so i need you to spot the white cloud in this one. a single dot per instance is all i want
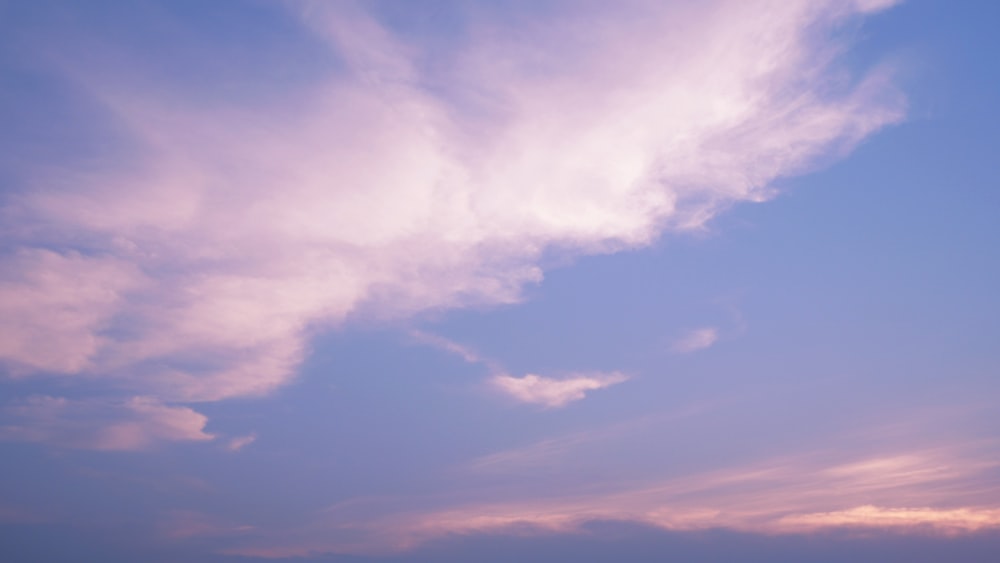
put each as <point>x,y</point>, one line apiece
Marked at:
<point>697,339</point>
<point>228,236</point>
<point>133,424</point>
<point>551,392</point>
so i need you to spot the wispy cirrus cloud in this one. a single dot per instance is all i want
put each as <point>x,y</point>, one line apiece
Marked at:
<point>942,490</point>
<point>553,454</point>
<point>457,349</point>
<point>895,475</point>
<point>554,392</point>
<point>206,254</point>
<point>925,488</point>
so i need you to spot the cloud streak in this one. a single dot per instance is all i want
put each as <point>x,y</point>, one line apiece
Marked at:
<point>454,348</point>
<point>868,516</point>
<point>943,491</point>
<point>529,388</point>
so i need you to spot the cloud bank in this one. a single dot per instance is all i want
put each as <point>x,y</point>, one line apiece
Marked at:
<point>943,491</point>
<point>195,265</point>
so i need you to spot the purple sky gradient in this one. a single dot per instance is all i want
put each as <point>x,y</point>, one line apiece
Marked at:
<point>446,281</point>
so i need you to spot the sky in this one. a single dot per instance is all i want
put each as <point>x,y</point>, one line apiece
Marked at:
<point>413,281</point>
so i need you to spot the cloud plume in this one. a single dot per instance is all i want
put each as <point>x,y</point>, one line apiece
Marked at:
<point>195,265</point>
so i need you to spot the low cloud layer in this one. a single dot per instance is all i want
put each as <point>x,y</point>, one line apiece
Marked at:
<point>194,265</point>
<point>238,443</point>
<point>938,491</point>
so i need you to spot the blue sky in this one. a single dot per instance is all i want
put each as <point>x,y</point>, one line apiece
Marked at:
<point>453,281</point>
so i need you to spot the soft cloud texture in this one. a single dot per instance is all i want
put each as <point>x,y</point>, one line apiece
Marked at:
<point>133,424</point>
<point>55,307</point>
<point>943,490</point>
<point>947,520</point>
<point>456,349</point>
<point>195,266</point>
<point>238,443</point>
<point>697,339</point>
<point>551,392</point>
<point>529,388</point>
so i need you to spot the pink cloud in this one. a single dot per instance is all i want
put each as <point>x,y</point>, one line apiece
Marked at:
<point>946,520</point>
<point>876,478</point>
<point>238,233</point>
<point>186,524</point>
<point>55,307</point>
<point>134,424</point>
<point>698,339</point>
<point>452,347</point>
<point>238,443</point>
<point>936,489</point>
<point>551,392</point>
<point>931,491</point>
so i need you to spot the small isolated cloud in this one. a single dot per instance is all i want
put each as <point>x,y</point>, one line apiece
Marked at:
<point>552,392</point>
<point>240,442</point>
<point>695,340</point>
<point>530,388</point>
<point>133,424</point>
